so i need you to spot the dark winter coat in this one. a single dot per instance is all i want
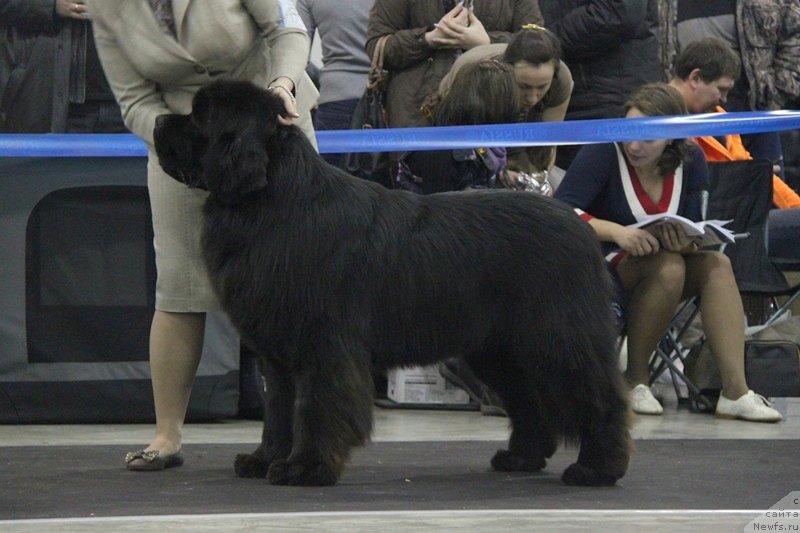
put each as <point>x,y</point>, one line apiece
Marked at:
<point>37,51</point>
<point>610,47</point>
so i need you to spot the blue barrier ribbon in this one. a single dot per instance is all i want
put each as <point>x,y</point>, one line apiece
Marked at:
<point>439,138</point>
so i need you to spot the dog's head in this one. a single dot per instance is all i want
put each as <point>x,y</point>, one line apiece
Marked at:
<point>221,146</point>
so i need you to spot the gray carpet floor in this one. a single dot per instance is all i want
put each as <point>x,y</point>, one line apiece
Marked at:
<point>63,481</point>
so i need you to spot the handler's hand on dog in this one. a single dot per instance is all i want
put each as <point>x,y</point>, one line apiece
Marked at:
<point>283,88</point>
<point>637,242</point>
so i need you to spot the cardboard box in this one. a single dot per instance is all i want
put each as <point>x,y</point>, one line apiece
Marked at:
<point>423,385</point>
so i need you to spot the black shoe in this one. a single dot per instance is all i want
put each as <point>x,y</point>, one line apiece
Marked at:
<point>458,373</point>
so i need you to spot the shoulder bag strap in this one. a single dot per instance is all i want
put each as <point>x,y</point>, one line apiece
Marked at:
<point>377,75</point>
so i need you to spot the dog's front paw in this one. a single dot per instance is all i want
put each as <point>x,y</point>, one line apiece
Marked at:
<point>505,461</point>
<point>248,465</point>
<point>313,474</point>
<point>578,474</point>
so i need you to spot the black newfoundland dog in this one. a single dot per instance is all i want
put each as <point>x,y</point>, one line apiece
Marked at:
<point>327,277</point>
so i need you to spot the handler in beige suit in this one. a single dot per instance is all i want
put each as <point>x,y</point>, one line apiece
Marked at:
<point>156,54</point>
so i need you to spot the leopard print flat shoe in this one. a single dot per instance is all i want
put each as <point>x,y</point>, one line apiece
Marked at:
<point>146,461</point>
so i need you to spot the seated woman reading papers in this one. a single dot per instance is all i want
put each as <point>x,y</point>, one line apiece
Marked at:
<point>613,186</point>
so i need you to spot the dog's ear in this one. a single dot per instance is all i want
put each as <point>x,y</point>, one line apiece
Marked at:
<point>179,146</point>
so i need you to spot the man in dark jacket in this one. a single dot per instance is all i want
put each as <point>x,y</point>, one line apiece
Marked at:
<point>50,77</point>
<point>611,48</point>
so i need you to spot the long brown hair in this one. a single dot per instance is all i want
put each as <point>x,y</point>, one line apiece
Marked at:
<point>482,93</point>
<point>657,100</point>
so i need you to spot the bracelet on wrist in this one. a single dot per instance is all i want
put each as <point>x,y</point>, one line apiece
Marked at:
<point>272,88</point>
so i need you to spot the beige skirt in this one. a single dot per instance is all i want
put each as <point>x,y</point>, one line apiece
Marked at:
<point>182,285</point>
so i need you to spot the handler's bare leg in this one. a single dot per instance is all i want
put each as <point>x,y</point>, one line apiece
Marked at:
<point>176,343</point>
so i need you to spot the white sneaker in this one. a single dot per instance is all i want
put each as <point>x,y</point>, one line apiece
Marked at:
<point>643,401</point>
<point>751,406</point>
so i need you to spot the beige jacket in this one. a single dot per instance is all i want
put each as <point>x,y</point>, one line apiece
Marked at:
<point>152,73</point>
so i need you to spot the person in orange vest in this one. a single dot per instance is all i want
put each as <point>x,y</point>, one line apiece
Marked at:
<point>705,71</point>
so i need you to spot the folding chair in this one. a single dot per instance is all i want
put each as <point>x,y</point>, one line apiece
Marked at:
<point>785,257</point>
<point>742,191</point>
<point>670,356</point>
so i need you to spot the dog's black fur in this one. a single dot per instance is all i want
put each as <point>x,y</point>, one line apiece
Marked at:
<point>327,276</point>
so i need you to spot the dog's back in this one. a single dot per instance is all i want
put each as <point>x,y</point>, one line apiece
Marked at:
<point>398,264</point>
<point>483,262</point>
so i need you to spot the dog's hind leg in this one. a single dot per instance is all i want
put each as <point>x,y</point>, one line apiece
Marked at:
<point>601,410</point>
<point>332,414</point>
<point>605,445</point>
<point>276,436</point>
<point>532,440</point>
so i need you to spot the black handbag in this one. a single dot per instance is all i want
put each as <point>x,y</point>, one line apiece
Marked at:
<point>772,368</point>
<point>370,113</point>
